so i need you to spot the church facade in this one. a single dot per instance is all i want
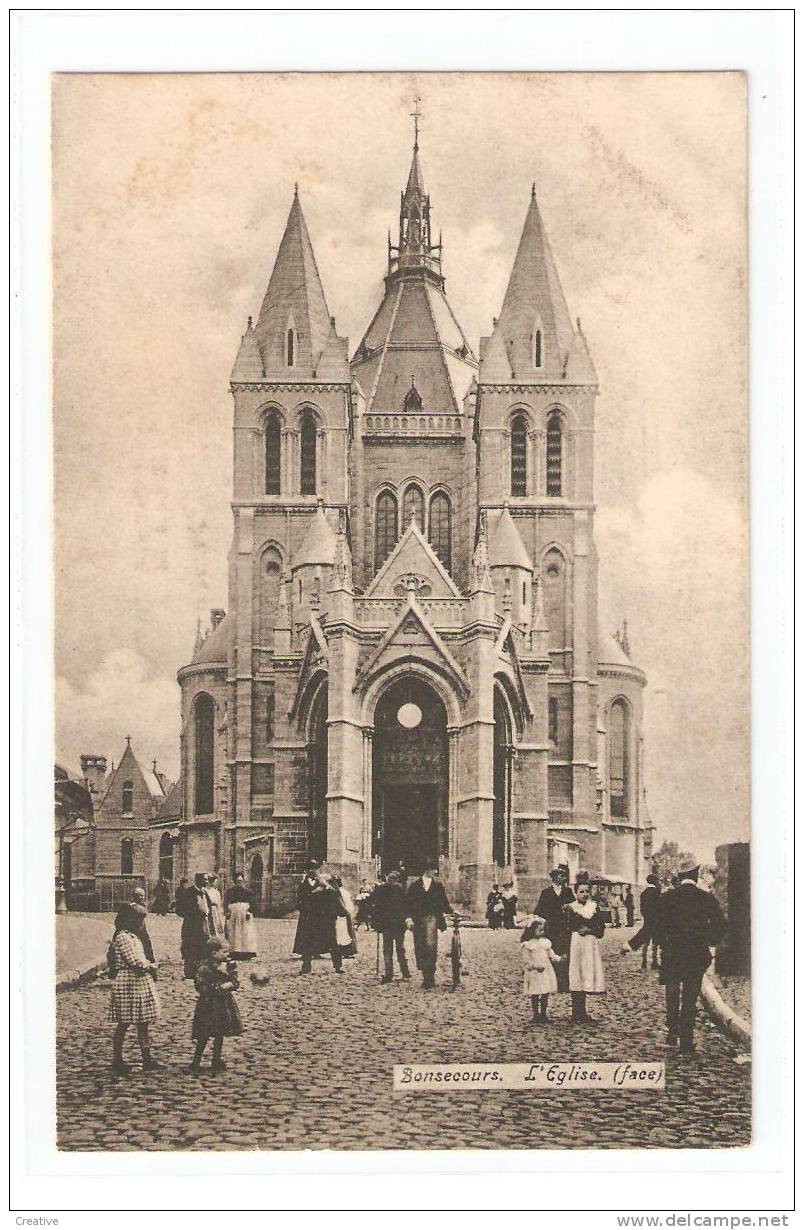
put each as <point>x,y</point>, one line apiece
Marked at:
<point>410,668</point>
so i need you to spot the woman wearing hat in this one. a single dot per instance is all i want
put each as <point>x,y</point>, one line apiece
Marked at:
<point>134,999</point>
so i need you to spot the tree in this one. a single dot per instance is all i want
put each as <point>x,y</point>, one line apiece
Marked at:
<point>668,860</point>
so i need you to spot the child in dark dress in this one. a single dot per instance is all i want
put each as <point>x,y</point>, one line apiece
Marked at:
<point>216,1013</point>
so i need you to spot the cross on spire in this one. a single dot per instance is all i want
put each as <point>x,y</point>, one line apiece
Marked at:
<point>416,115</point>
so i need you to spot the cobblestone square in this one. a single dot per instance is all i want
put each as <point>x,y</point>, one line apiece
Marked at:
<point>314,1067</point>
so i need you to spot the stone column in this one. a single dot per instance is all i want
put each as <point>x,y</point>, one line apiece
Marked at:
<point>368,752</point>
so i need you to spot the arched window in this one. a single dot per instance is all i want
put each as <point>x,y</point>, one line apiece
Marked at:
<point>385,529</point>
<point>128,798</point>
<point>618,759</point>
<point>413,506</point>
<point>441,528</point>
<point>554,454</point>
<point>554,583</point>
<point>166,857</point>
<point>501,814</point>
<point>308,437</point>
<point>519,455</point>
<point>290,347</point>
<point>552,720</point>
<point>273,446</point>
<point>537,348</point>
<point>127,856</point>
<point>413,398</point>
<point>204,747</point>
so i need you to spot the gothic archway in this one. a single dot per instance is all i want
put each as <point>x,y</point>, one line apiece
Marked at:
<point>410,776</point>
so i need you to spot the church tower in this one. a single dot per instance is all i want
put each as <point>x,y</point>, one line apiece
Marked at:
<point>534,428</point>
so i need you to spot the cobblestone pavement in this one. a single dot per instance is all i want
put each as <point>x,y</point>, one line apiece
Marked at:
<point>313,1069</point>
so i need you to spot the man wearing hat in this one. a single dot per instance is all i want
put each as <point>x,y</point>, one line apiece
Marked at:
<point>388,915</point>
<point>426,906</point>
<point>650,904</point>
<point>551,907</point>
<point>690,924</point>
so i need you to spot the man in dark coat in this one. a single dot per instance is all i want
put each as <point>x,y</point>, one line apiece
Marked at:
<point>650,905</point>
<point>690,923</point>
<point>194,908</point>
<point>628,902</point>
<point>389,917</point>
<point>551,906</point>
<point>427,905</point>
<point>319,906</point>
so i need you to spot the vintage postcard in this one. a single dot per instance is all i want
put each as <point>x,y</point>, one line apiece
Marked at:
<point>402,767</point>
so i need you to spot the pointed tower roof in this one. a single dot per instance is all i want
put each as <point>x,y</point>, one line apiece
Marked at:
<point>414,338</point>
<point>506,548</point>
<point>533,336</point>
<point>319,543</point>
<point>248,364</point>
<point>294,300</point>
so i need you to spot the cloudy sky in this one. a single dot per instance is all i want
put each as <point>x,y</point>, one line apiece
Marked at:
<point>171,194</point>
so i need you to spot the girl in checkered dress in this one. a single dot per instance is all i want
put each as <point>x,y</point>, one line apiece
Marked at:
<point>134,999</point>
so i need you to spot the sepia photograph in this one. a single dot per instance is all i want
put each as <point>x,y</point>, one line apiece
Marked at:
<point>402,764</point>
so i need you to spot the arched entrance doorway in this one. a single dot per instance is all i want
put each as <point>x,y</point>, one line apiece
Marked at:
<point>410,775</point>
<point>318,775</point>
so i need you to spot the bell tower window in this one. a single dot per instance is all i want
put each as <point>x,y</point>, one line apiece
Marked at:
<point>519,455</point>
<point>290,347</point>
<point>554,454</point>
<point>537,348</point>
<point>308,459</point>
<point>413,508</point>
<point>273,444</point>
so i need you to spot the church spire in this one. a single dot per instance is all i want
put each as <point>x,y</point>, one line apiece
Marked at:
<point>415,249</point>
<point>294,325</point>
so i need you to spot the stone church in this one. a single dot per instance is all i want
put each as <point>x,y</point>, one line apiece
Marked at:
<point>410,668</point>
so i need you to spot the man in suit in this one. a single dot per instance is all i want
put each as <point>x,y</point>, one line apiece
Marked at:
<point>690,923</point>
<point>427,905</point>
<point>650,904</point>
<point>389,916</point>
<point>551,906</point>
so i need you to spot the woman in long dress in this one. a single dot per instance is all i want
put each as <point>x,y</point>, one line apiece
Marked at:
<point>241,934</point>
<point>585,962</point>
<point>134,999</point>
<point>345,933</point>
<point>216,920</point>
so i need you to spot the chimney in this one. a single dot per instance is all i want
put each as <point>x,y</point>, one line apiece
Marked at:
<point>215,617</point>
<point>94,770</point>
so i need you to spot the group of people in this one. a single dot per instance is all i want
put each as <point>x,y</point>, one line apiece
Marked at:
<point>501,907</point>
<point>561,947</point>
<point>215,934</point>
<point>328,919</point>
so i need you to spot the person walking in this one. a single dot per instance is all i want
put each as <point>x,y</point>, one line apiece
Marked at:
<point>216,1015</point>
<point>585,962</point>
<point>510,901</point>
<point>427,904</point>
<point>690,923</point>
<point>389,915</point>
<point>494,908</point>
<point>194,909</point>
<point>650,905</point>
<point>551,907</point>
<point>319,907</point>
<point>134,998</point>
<point>241,934</point>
